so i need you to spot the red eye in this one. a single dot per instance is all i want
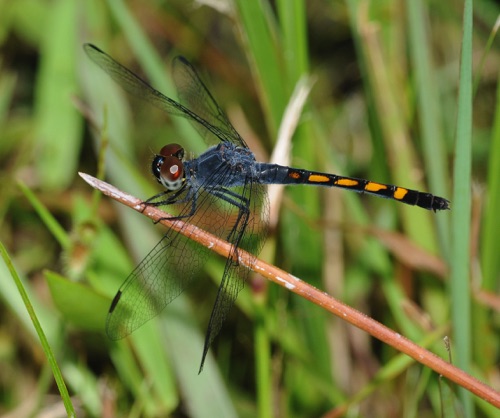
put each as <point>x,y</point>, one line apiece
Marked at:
<point>172,150</point>
<point>171,173</point>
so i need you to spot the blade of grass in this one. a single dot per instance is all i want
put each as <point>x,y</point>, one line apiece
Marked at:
<point>490,237</point>
<point>293,24</point>
<point>86,384</point>
<point>58,123</point>
<point>263,359</point>
<point>489,44</point>
<point>41,335</point>
<point>48,219</point>
<point>429,110</point>
<point>262,44</point>
<point>461,215</point>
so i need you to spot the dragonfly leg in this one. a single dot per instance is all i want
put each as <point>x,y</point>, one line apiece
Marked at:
<point>243,204</point>
<point>174,198</point>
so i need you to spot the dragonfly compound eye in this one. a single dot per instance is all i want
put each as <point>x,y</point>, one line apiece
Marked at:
<point>171,172</point>
<point>173,150</point>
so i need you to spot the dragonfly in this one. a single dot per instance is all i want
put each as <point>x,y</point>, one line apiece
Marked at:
<point>222,191</point>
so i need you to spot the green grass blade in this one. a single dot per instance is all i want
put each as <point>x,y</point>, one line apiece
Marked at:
<point>491,238</point>
<point>489,44</point>
<point>58,123</point>
<point>429,110</point>
<point>262,43</point>
<point>294,28</point>
<point>41,334</point>
<point>461,214</point>
<point>48,218</point>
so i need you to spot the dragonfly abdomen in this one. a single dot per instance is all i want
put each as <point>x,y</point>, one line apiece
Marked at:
<point>272,173</point>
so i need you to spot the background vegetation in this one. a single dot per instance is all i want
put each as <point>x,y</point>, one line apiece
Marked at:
<point>383,105</point>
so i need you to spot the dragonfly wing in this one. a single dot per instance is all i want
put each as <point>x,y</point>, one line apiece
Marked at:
<point>136,86</point>
<point>194,95</point>
<point>161,276</point>
<point>248,233</point>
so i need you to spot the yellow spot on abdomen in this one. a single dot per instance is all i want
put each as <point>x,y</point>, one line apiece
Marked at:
<point>375,187</point>
<point>400,193</point>
<point>347,182</point>
<point>318,178</point>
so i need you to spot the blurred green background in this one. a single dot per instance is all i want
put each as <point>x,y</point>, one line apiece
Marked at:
<point>383,105</point>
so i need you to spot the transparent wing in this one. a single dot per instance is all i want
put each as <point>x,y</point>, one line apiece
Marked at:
<point>136,86</point>
<point>155,282</point>
<point>194,95</point>
<point>159,278</point>
<point>248,233</point>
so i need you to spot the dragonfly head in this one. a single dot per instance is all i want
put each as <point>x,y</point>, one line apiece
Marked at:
<point>168,168</point>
